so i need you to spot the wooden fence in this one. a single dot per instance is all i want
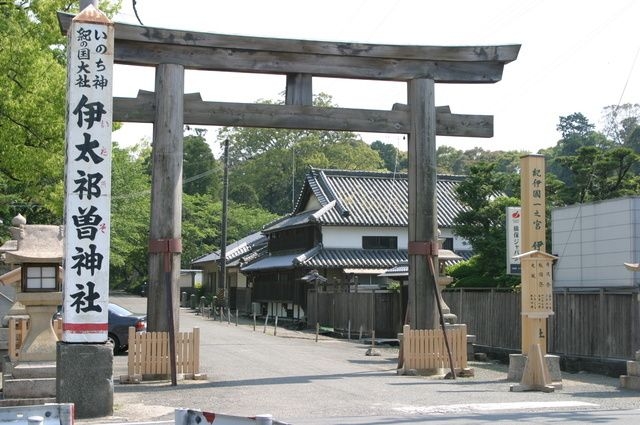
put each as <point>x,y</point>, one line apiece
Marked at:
<point>149,355</point>
<point>425,349</point>
<point>600,324</point>
<point>18,329</point>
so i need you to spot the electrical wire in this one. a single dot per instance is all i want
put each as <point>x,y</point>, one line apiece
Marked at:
<point>135,11</point>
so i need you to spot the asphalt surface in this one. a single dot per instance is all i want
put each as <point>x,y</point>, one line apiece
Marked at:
<point>300,381</point>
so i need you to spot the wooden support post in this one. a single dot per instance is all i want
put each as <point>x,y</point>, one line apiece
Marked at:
<point>299,90</point>
<point>422,200</point>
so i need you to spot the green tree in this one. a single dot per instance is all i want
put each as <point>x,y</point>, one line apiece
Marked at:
<point>394,159</point>
<point>483,225</point>
<point>575,124</point>
<point>130,216</point>
<point>201,172</point>
<point>32,103</point>
<point>273,162</point>
<point>599,174</point>
<point>201,225</point>
<point>577,133</point>
<point>621,123</point>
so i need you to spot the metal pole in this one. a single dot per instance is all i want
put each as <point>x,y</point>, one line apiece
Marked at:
<point>317,318</point>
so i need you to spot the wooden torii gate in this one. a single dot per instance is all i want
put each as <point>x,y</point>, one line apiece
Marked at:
<point>173,51</point>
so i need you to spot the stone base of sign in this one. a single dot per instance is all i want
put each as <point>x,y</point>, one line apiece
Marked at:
<point>85,378</point>
<point>631,381</point>
<point>517,363</point>
<point>26,383</point>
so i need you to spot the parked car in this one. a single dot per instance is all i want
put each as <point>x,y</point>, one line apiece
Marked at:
<point>120,319</point>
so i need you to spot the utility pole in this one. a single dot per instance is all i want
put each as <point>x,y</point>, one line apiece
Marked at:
<point>223,225</point>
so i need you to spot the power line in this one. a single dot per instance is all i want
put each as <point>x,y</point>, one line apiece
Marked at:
<point>633,64</point>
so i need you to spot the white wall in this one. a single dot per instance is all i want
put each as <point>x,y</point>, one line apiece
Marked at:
<point>351,237</point>
<point>592,241</point>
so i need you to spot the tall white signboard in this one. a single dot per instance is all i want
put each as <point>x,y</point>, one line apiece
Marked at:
<point>88,178</point>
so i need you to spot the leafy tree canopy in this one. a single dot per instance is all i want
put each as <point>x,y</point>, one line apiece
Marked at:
<point>202,174</point>
<point>32,105</point>
<point>483,222</point>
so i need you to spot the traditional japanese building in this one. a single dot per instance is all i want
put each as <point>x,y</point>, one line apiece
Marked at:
<point>349,226</point>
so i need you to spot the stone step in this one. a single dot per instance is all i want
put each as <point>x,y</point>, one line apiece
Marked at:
<point>29,388</point>
<point>26,401</point>
<point>630,382</point>
<point>33,370</point>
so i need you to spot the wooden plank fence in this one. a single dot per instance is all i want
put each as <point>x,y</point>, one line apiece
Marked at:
<point>601,324</point>
<point>18,329</point>
<point>425,349</point>
<point>591,324</point>
<point>149,356</point>
<point>380,311</point>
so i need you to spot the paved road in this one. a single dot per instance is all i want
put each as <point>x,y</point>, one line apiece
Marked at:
<point>331,381</point>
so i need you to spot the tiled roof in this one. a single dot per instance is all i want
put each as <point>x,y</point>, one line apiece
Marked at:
<point>356,258</point>
<point>373,199</point>
<point>319,257</point>
<point>337,258</point>
<point>237,249</point>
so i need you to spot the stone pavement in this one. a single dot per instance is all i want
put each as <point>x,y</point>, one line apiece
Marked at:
<point>301,381</point>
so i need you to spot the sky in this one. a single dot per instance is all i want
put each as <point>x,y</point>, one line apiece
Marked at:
<point>576,56</point>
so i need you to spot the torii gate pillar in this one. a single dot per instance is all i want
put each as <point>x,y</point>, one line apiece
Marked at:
<point>422,203</point>
<point>166,199</point>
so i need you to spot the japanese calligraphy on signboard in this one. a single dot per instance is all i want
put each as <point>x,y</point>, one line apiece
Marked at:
<point>513,239</point>
<point>537,284</point>
<point>88,177</point>
<point>533,203</point>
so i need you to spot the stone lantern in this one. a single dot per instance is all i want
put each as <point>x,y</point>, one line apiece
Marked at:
<point>35,253</point>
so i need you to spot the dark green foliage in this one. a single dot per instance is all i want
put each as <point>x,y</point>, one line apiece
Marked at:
<point>201,173</point>
<point>470,274</point>
<point>394,159</point>
<point>483,222</point>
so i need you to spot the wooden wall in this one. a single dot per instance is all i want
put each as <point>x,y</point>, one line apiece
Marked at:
<point>336,309</point>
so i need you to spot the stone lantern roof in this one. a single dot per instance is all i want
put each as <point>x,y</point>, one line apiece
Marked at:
<point>33,243</point>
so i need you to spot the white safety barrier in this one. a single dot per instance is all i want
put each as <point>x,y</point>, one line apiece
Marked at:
<point>198,417</point>
<point>42,414</point>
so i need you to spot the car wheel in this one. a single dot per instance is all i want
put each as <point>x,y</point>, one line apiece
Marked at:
<point>114,341</point>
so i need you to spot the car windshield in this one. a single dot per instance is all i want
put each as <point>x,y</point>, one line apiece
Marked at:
<point>120,311</point>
